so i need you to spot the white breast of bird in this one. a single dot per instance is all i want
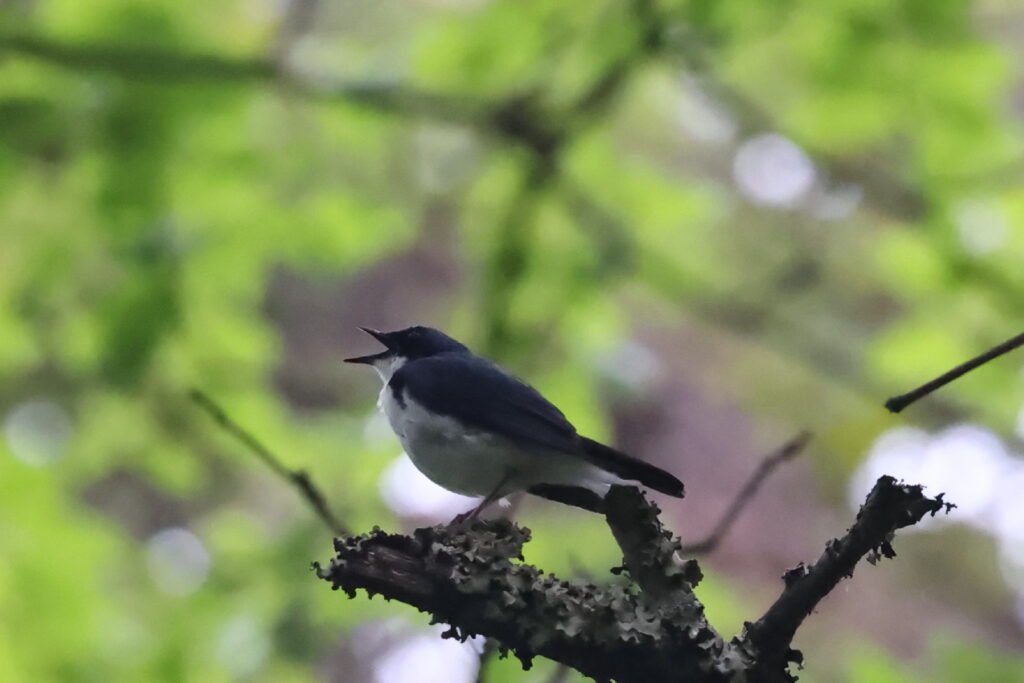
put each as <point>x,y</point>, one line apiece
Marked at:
<point>471,461</point>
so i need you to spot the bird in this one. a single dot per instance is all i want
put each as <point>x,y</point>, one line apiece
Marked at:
<point>474,428</point>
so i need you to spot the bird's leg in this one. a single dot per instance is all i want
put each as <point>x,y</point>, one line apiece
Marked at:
<point>494,495</point>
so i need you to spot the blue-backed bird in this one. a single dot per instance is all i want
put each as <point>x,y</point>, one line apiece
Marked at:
<point>473,428</point>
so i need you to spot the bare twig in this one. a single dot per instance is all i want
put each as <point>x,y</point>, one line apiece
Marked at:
<point>787,451</point>
<point>298,478</point>
<point>898,403</point>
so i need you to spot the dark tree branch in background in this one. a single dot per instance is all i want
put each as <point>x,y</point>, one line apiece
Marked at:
<point>517,119</point>
<point>170,66</point>
<point>475,581</point>
<point>146,63</point>
<point>509,260</point>
<point>898,403</point>
<point>787,451</point>
<point>298,478</point>
<point>545,134</point>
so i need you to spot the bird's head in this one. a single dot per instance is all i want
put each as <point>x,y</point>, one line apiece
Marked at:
<point>405,345</point>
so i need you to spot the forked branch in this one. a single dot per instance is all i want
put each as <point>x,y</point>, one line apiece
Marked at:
<point>474,580</point>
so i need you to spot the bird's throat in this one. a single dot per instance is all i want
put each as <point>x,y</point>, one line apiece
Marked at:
<point>387,367</point>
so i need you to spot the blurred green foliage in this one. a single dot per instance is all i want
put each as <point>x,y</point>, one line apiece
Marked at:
<point>161,161</point>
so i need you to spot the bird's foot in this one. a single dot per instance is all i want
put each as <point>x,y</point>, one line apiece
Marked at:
<point>463,520</point>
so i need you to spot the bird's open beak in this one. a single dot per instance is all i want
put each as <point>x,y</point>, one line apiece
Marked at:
<point>373,358</point>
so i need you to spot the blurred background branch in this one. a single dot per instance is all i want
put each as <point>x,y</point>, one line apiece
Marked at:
<point>898,403</point>
<point>300,479</point>
<point>164,65</point>
<point>787,451</point>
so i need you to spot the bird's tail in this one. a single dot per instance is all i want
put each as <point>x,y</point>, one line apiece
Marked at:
<point>628,467</point>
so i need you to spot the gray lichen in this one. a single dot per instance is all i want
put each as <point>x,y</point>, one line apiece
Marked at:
<point>474,579</point>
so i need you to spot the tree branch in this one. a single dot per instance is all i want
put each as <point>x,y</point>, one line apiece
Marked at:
<point>889,506</point>
<point>651,554</point>
<point>300,479</point>
<point>158,64</point>
<point>787,451</point>
<point>898,403</point>
<point>474,580</point>
<point>516,118</point>
<point>140,61</point>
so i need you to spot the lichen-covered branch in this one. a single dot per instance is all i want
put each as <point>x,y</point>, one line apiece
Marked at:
<point>474,580</point>
<point>891,505</point>
<point>651,553</point>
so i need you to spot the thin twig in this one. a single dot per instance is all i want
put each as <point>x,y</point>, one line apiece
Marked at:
<point>898,403</point>
<point>787,451</point>
<point>298,478</point>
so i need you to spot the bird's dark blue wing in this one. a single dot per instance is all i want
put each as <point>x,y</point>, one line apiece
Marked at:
<point>478,393</point>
